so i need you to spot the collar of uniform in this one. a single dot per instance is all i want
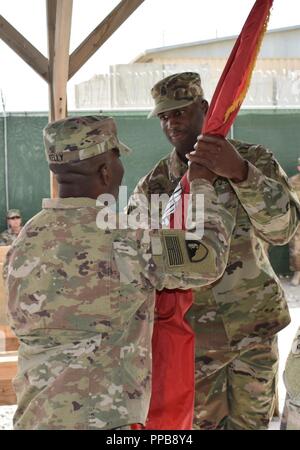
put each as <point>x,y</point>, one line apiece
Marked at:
<point>177,167</point>
<point>68,203</point>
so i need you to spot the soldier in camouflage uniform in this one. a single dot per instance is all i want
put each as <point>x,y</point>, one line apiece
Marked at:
<point>291,413</point>
<point>294,245</point>
<point>81,298</point>
<point>14,226</point>
<point>236,319</point>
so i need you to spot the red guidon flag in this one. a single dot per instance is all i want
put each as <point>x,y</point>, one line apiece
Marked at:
<point>172,400</point>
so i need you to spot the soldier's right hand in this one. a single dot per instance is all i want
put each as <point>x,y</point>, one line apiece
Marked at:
<point>197,171</point>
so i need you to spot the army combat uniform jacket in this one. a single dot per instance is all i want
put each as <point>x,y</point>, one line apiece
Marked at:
<point>247,304</point>
<point>294,245</point>
<point>7,237</point>
<point>81,301</point>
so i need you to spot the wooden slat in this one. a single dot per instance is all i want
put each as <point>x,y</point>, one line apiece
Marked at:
<point>8,370</point>
<point>31,55</point>
<point>8,340</point>
<point>101,33</point>
<point>3,301</point>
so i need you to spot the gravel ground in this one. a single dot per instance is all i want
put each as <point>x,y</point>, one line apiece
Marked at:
<point>285,341</point>
<point>6,415</point>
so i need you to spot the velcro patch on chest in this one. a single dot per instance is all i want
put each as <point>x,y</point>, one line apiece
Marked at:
<point>174,252</point>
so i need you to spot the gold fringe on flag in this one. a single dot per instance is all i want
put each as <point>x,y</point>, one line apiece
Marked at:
<point>236,104</point>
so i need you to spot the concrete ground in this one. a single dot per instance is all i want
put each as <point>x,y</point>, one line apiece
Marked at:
<point>285,338</point>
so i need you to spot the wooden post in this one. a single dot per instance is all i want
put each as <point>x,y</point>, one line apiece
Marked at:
<point>59,18</point>
<point>51,18</point>
<point>61,56</point>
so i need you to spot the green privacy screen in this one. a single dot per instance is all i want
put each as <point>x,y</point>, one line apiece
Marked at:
<point>28,176</point>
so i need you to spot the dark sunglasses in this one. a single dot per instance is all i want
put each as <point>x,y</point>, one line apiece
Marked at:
<point>14,217</point>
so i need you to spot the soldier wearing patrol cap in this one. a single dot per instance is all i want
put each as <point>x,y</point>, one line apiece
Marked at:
<point>236,319</point>
<point>291,413</point>
<point>14,226</point>
<point>81,297</point>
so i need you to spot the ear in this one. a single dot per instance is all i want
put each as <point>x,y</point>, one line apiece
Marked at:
<point>204,106</point>
<point>105,173</point>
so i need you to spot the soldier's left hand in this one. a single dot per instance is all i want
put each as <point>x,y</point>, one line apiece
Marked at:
<point>218,155</point>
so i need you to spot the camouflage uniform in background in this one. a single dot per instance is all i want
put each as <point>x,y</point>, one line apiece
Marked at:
<point>294,244</point>
<point>291,412</point>
<point>236,319</point>
<point>7,237</point>
<point>81,299</point>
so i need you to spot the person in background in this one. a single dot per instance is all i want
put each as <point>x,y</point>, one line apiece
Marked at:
<point>294,244</point>
<point>291,413</point>
<point>14,226</point>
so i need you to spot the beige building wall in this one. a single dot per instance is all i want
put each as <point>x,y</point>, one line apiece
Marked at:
<point>275,80</point>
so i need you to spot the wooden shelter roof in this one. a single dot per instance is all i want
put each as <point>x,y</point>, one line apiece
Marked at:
<point>60,65</point>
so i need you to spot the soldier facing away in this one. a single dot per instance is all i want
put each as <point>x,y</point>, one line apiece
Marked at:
<point>14,226</point>
<point>81,298</point>
<point>236,319</point>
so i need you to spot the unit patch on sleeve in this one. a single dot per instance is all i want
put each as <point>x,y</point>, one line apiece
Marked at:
<point>196,250</point>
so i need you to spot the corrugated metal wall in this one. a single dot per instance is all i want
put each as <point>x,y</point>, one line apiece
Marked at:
<point>28,176</point>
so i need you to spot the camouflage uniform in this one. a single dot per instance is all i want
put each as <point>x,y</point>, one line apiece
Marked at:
<point>236,319</point>
<point>294,245</point>
<point>291,413</point>
<point>7,237</point>
<point>81,299</point>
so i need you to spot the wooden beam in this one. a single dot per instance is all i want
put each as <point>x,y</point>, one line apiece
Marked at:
<point>51,6</point>
<point>8,340</point>
<point>3,299</point>
<point>51,19</point>
<point>31,55</point>
<point>59,19</point>
<point>61,56</point>
<point>101,33</point>
<point>8,371</point>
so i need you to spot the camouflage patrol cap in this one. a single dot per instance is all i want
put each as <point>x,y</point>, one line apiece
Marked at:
<point>13,213</point>
<point>175,91</point>
<point>78,138</point>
